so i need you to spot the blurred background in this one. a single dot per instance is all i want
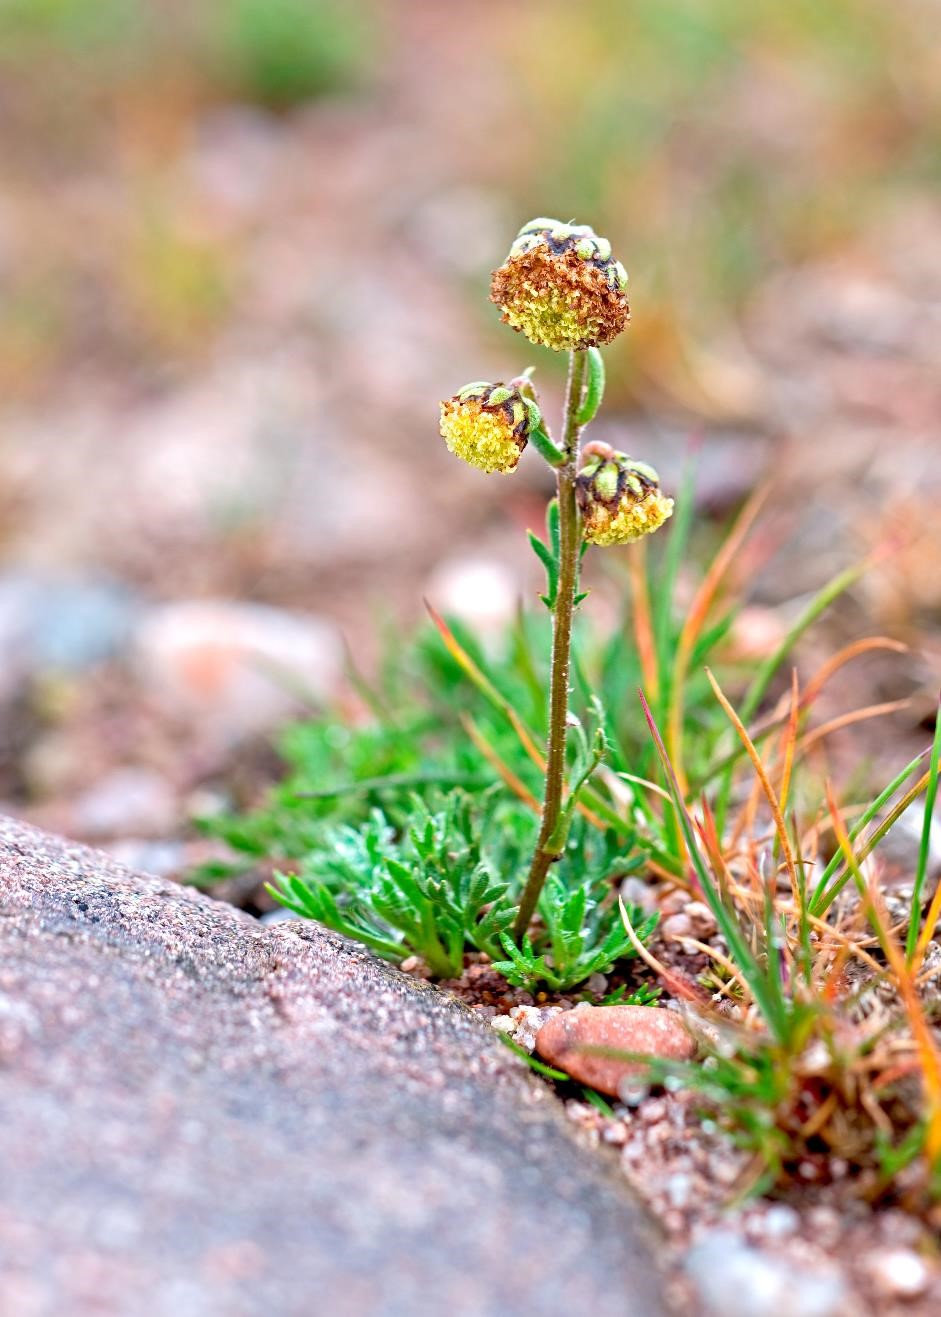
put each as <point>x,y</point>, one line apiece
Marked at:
<point>245,248</point>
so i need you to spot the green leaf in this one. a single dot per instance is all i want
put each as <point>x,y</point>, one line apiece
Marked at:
<point>594,388</point>
<point>546,448</point>
<point>924,850</point>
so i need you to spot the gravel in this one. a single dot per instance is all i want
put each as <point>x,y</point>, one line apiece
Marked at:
<point>736,1280</point>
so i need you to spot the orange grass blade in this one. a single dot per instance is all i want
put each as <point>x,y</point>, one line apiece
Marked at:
<point>790,742</point>
<point>837,882</point>
<point>745,823</point>
<point>929,1055</point>
<point>493,696</point>
<point>844,656</point>
<point>486,687</point>
<point>695,620</point>
<point>678,984</point>
<point>518,787</point>
<point>755,757</point>
<point>848,719</point>
<point>927,932</point>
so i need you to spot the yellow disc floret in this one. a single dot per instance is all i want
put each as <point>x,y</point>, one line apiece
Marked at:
<point>561,287</point>
<point>620,500</point>
<point>488,425</point>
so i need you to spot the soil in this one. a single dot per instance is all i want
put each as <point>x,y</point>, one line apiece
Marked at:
<point>879,1260</point>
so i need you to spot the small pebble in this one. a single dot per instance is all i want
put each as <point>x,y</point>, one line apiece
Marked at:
<point>634,891</point>
<point>674,901</point>
<point>899,1273</point>
<point>240,668</point>
<point>653,1112</point>
<point>732,1277</point>
<point>528,1020</point>
<point>701,918</point>
<point>779,1221</point>
<point>648,1030</point>
<point>481,592</point>
<point>679,1190</point>
<point>679,925</point>
<point>127,801</point>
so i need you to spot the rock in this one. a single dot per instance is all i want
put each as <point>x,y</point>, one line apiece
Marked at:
<point>80,623</point>
<point>165,859</point>
<point>481,592</point>
<point>634,891</point>
<point>899,1273</point>
<point>59,625</point>
<point>527,1021</point>
<point>701,918</point>
<point>779,1221</point>
<point>649,1030</point>
<point>14,636</point>
<point>679,925</point>
<point>204,1115</point>
<point>129,801</point>
<point>242,668</point>
<point>736,1280</point>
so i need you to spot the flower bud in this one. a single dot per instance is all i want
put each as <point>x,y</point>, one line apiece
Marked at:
<point>561,287</point>
<point>489,425</point>
<point>620,500</point>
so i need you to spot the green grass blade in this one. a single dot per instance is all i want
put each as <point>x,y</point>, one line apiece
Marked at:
<point>763,678</point>
<point>817,606</point>
<point>817,904</point>
<point>931,796</point>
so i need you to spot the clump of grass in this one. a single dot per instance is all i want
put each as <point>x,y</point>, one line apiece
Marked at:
<point>443,716</point>
<point>818,1047</point>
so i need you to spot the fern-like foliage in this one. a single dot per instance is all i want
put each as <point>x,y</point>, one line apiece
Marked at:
<point>583,936</point>
<point>425,890</point>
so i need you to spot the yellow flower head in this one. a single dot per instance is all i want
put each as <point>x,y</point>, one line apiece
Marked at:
<point>488,425</point>
<point>620,500</point>
<point>561,287</point>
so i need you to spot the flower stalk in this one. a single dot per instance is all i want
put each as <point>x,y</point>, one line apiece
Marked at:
<point>549,846</point>
<point>561,287</point>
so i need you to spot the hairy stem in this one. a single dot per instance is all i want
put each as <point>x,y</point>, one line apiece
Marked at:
<point>545,854</point>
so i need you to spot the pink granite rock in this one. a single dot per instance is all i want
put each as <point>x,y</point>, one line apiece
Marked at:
<point>563,1041</point>
<point>201,1114</point>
